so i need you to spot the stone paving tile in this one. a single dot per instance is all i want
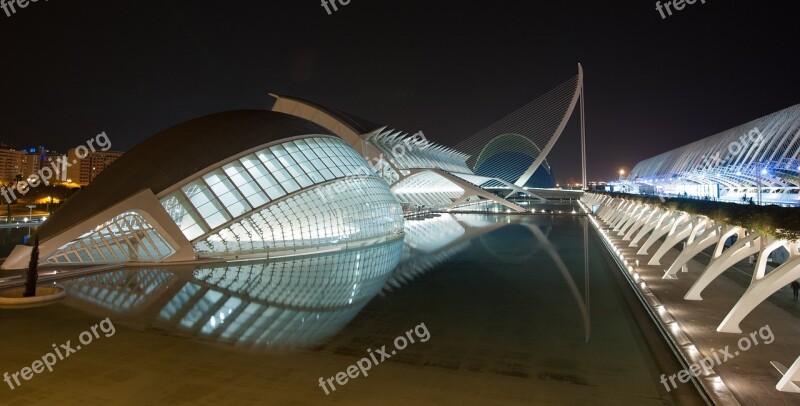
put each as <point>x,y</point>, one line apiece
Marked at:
<point>749,376</point>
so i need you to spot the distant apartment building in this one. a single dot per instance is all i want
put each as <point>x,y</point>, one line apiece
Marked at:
<point>84,170</point>
<point>22,163</point>
<point>42,158</point>
<point>10,163</point>
<point>30,164</point>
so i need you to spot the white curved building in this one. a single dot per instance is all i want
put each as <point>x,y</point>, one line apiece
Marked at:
<point>420,172</point>
<point>231,185</point>
<point>757,160</point>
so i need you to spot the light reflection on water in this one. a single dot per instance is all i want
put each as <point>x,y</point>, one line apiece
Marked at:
<point>300,302</point>
<point>506,299</point>
<point>258,305</point>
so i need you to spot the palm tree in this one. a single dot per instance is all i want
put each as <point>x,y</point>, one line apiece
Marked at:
<point>32,275</point>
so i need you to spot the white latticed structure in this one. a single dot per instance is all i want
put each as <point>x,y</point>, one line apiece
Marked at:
<point>755,161</point>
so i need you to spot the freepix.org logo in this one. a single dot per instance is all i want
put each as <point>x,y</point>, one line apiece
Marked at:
<point>10,7</point>
<point>718,357</point>
<point>746,142</point>
<point>364,364</point>
<point>329,5</point>
<point>666,8</point>
<point>57,169</point>
<point>59,353</point>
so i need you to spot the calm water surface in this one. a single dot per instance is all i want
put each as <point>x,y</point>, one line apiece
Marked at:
<point>513,314</point>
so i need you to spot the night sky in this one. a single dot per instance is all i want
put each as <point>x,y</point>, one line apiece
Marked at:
<point>72,69</point>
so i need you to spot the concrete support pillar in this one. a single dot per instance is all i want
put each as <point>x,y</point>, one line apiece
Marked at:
<point>681,229</point>
<point>619,212</point>
<point>709,237</point>
<point>762,287</point>
<point>743,248</point>
<point>610,209</point>
<point>643,210</point>
<point>727,232</point>
<point>644,219</point>
<point>651,223</point>
<point>791,377</point>
<point>629,211</point>
<point>700,223</point>
<point>664,226</point>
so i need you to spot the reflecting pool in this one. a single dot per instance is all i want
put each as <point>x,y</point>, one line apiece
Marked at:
<point>520,309</point>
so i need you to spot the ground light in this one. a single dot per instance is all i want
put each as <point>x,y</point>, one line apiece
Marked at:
<point>689,351</point>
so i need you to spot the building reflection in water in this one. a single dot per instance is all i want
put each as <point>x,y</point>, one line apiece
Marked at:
<point>259,305</point>
<point>430,242</point>
<point>287,303</point>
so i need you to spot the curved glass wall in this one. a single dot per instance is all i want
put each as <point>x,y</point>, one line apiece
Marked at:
<point>346,210</point>
<point>266,200</point>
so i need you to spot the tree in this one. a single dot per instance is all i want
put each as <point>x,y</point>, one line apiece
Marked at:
<point>32,275</point>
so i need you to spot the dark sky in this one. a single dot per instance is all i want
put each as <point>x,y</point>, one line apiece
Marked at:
<point>449,68</point>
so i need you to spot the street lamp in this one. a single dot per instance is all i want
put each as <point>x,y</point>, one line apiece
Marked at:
<point>30,216</point>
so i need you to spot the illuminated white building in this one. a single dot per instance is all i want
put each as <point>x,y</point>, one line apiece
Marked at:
<point>236,185</point>
<point>757,160</point>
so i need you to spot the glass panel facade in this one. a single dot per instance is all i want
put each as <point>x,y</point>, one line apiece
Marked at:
<point>346,210</point>
<point>206,203</point>
<point>221,199</point>
<point>125,238</point>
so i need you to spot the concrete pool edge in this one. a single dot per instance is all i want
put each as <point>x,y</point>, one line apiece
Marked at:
<point>710,387</point>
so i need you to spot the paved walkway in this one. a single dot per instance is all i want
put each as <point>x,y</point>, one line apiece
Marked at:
<point>742,273</point>
<point>748,375</point>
